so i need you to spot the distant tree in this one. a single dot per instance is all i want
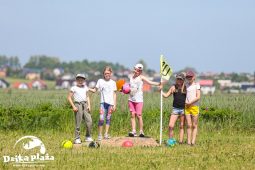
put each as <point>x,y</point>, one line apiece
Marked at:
<point>238,78</point>
<point>42,61</point>
<point>3,60</point>
<point>14,63</point>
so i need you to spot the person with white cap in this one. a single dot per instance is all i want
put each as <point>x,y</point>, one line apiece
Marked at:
<point>80,102</point>
<point>135,101</point>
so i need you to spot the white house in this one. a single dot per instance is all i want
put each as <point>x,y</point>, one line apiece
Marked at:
<point>207,86</point>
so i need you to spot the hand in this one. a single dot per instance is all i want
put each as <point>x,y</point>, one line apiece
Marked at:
<point>113,108</point>
<point>160,87</point>
<point>187,104</point>
<point>75,109</point>
<point>88,108</point>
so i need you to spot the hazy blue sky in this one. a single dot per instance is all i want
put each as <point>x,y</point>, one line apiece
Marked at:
<point>210,35</point>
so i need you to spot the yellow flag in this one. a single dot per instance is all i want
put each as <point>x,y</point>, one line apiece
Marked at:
<point>165,70</point>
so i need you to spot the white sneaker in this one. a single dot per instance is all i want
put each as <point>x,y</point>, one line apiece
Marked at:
<point>99,137</point>
<point>77,141</point>
<point>106,136</point>
<point>88,139</point>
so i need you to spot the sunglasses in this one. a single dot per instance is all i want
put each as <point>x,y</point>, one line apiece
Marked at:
<point>189,77</point>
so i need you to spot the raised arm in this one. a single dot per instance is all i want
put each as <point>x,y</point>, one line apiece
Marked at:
<point>149,81</point>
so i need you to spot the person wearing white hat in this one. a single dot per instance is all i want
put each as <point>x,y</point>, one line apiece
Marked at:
<point>135,101</point>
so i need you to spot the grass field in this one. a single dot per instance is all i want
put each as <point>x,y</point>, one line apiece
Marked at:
<point>226,142</point>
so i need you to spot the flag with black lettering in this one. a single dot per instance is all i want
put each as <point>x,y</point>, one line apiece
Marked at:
<point>165,70</point>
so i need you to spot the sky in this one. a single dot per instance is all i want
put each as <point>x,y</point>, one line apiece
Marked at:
<point>209,35</point>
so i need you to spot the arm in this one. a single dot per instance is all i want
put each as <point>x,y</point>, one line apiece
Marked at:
<point>93,90</point>
<point>88,103</point>
<point>150,82</point>
<point>170,92</point>
<point>114,98</point>
<point>196,99</point>
<point>69,98</point>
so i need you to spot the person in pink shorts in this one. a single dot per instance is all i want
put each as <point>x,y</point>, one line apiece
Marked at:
<point>135,101</point>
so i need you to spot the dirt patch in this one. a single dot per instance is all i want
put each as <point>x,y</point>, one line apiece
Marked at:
<point>118,141</point>
<point>137,141</point>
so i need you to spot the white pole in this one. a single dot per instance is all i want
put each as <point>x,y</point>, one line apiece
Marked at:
<point>161,115</point>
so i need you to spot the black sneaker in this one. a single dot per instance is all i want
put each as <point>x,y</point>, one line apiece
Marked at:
<point>131,134</point>
<point>141,134</point>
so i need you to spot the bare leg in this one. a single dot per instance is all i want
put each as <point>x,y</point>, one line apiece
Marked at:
<point>140,120</point>
<point>182,120</point>
<point>195,124</point>
<point>189,124</point>
<point>172,121</point>
<point>100,129</point>
<point>133,122</point>
<point>107,128</point>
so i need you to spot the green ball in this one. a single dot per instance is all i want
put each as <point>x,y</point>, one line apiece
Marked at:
<point>67,144</point>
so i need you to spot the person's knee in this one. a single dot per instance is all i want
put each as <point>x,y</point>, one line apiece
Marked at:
<point>100,123</point>
<point>108,121</point>
<point>132,115</point>
<point>139,116</point>
<point>181,126</point>
<point>194,126</point>
<point>189,126</point>
<point>171,127</point>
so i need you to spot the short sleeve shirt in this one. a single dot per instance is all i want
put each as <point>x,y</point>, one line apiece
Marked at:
<point>192,92</point>
<point>79,93</point>
<point>107,89</point>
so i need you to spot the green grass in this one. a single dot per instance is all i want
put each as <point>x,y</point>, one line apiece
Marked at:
<point>225,143</point>
<point>213,151</point>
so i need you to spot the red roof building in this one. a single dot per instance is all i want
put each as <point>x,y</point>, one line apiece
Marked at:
<point>206,82</point>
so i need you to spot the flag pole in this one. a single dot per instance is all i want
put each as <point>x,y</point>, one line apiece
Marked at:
<point>161,115</point>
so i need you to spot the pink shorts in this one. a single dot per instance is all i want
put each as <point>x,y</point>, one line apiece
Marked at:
<point>135,108</point>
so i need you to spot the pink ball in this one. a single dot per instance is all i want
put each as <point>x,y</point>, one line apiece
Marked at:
<point>127,144</point>
<point>126,88</point>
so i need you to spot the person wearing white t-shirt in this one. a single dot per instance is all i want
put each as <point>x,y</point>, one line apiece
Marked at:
<point>80,102</point>
<point>135,101</point>
<point>192,107</point>
<point>107,88</point>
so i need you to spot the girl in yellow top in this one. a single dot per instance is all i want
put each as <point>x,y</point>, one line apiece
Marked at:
<point>192,107</point>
